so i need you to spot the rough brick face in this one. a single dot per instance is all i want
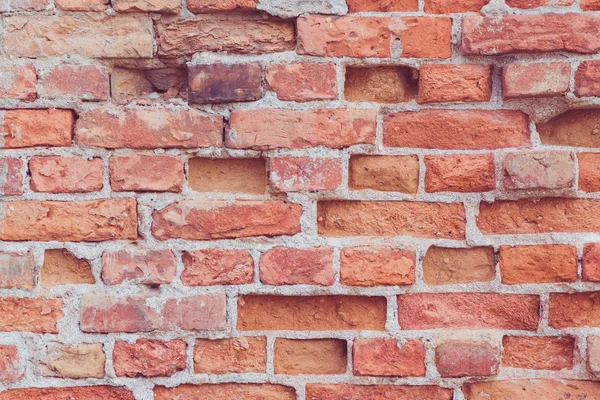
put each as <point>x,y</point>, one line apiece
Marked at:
<point>389,357</point>
<point>235,355</point>
<point>149,358</point>
<point>587,78</point>
<point>310,357</point>
<point>223,83</point>
<point>133,264</point>
<point>30,128</point>
<point>10,364</point>
<point>446,266</point>
<point>467,358</point>
<point>534,389</point>
<point>87,82</point>
<point>538,170</point>
<point>17,270</point>
<point>303,81</point>
<point>286,266</point>
<point>460,173</point>
<point>380,84</point>
<point>225,391</point>
<point>538,264</point>
<point>574,310</point>
<point>141,173</point>
<point>65,174</point>
<point>589,172</point>
<point>425,37</point>
<point>548,353</point>
<point>377,266</point>
<point>296,174</point>
<point>384,173</point>
<point>86,360</point>
<point>217,267</point>
<point>228,175</point>
<point>441,83</point>
<point>535,80</point>
<point>18,82</point>
<point>11,178</point>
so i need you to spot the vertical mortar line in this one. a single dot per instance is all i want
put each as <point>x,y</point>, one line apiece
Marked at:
<point>270,353</point>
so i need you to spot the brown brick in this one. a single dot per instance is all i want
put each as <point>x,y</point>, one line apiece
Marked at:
<point>388,357</point>
<point>310,356</point>
<point>446,266</point>
<point>225,391</point>
<point>589,172</point>
<point>230,175</point>
<point>85,360</point>
<point>538,352</point>
<point>232,355</point>
<point>380,84</point>
<point>384,173</point>
<point>538,264</point>
<point>217,267</point>
<point>224,83</point>
<point>377,266</point>
<point>577,128</point>
<point>62,268</point>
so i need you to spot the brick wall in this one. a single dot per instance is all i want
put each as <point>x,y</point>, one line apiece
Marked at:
<point>299,199</point>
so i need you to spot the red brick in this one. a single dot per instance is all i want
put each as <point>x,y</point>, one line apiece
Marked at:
<point>538,170</point>
<point>534,33</point>
<point>463,129</point>
<point>159,6</point>
<point>576,128</point>
<point>539,216</point>
<point>538,389</point>
<point>355,6</point>
<point>149,358</point>
<point>538,264</point>
<point>310,357</point>
<point>589,172</point>
<point>380,84</point>
<point>535,80</point>
<point>350,36</point>
<point>590,5</point>
<point>56,174</point>
<point>527,4</point>
<point>138,172</point>
<point>208,6</point>
<point>232,355</point>
<point>138,265</point>
<point>69,393</point>
<point>311,313</point>
<point>538,352</point>
<point>388,357</point>
<point>82,5</point>
<point>30,315</point>
<point>226,391</point>
<point>466,358</point>
<point>87,82</point>
<point>102,313</point>
<point>587,78</point>
<point>460,173</point>
<point>593,359</point>
<point>574,310</point>
<point>425,37</point>
<point>377,266</point>
<point>86,221</point>
<point>288,266</point>
<point>224,83</point>
<point>30,128</point>
<point>205,220</point>
<point>303,81</point>
<point>217,267</point>
<point>446,266</point>
<point>296,174</point>
<point>11,178</point>
<point>148,129</point>
<point>11,369</point>
<point>439,83</point>
<point>384,173</point>
<point>454,6</point>
<point>18,82</point>
<point>391,218</point>
<point>591,262</point>
<point>17,270</point>
<point>266,129</point>
<point>218,34</point>
<point>317,391</point>
<point>468,311</point>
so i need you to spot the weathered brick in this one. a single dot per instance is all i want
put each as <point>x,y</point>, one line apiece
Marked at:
<point>589,172</point>
<point>225,391</point>
<point>88,35</point>
<point>535,80</point>
<point>574,310</point>
<point>317,391</point>
<point>527,4</point>
<point>148,129</point>
<point>228,175</point>
<point>217,34</point>
<point>391,218</point>
<point>266,129</point>
<point>87,82</point>
<point>23,5</point>
<point>446,266</point>
<point>587,78</point>
<point>149,358</point>
<point>303,81</point>
<point>289,266</point>
<point>355,6</point>
<point>425,37</point>
<point>30,128</point>
<point>539,389</point>
<point>17,270</point>
<point>56,174</point>
<point>138,265</point>
<point>463,129</point>
<point>466,358</point>
<point>11,367</point>
<point>232,355</point>
<point>593,360</point>
<point>468,311</point>
<point>86,221</point>
<point>159,6</point>
<point>296,174</point>
<point>217,267</point>
<point>379,84</point>
<point>103,313</point>
<point>62,268</point>
<point>592,5</point>
<point>204,220</point>
<point>18,82</point>
<point>454,6</point>
<point>310,356</point>
<point>538,264</point>
<point>313,313</point>
<point>224,83</point>
<point>153,173</point>
<point>82,5</point>
<point>209,6</point>
<point>11,178</point>
<point>570,32</point>
<point>539,216</point>
<point>70,393</point>
<point>538,170</point>
<point>538,352</point>
<point>85,360</point>
<point>384,173</point>
<point>350,36</point>
<point>377,266</point>
<point>388,357</point>
<point>460,173</point>
<point>591,262</point>
<point>578,128</point>
<point>439,83</point>
<point>35,315</point>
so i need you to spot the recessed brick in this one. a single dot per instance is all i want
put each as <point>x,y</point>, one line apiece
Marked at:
<point>384,173</point>
<point>310,356</point>
<point>577,128</point>
<point>380,84</point>
<point>61,267</point>
<point>224,83</point>
<point>231,175</point>
<point>589,172</point>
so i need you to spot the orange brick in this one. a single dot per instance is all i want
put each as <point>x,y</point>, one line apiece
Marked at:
<point>538,352</point>
<point>30,315</point>
<point>377,266</point>
<point>303,81</point>
<point>376,392</point>
<point>310,356</point>
<point>225,391</point>
<point>154,173</point>
<point>31,128</point>
<point>589,172</point>
<point>425,37</point>
<point>538,264</point>
<point>149,358</point>
<point>388,357</point>
<point>75,393</point>
<point>534,389</point>
<point>591,262</point>
<point>55,174</point>
<point>232,355</point>
<point>439,83</point>
<point>355,6</point>
<point>460,173</point>
<point>574,310</point>
<point>384,173</point>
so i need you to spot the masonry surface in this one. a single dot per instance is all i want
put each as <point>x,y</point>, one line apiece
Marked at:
<point>299,199</point>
